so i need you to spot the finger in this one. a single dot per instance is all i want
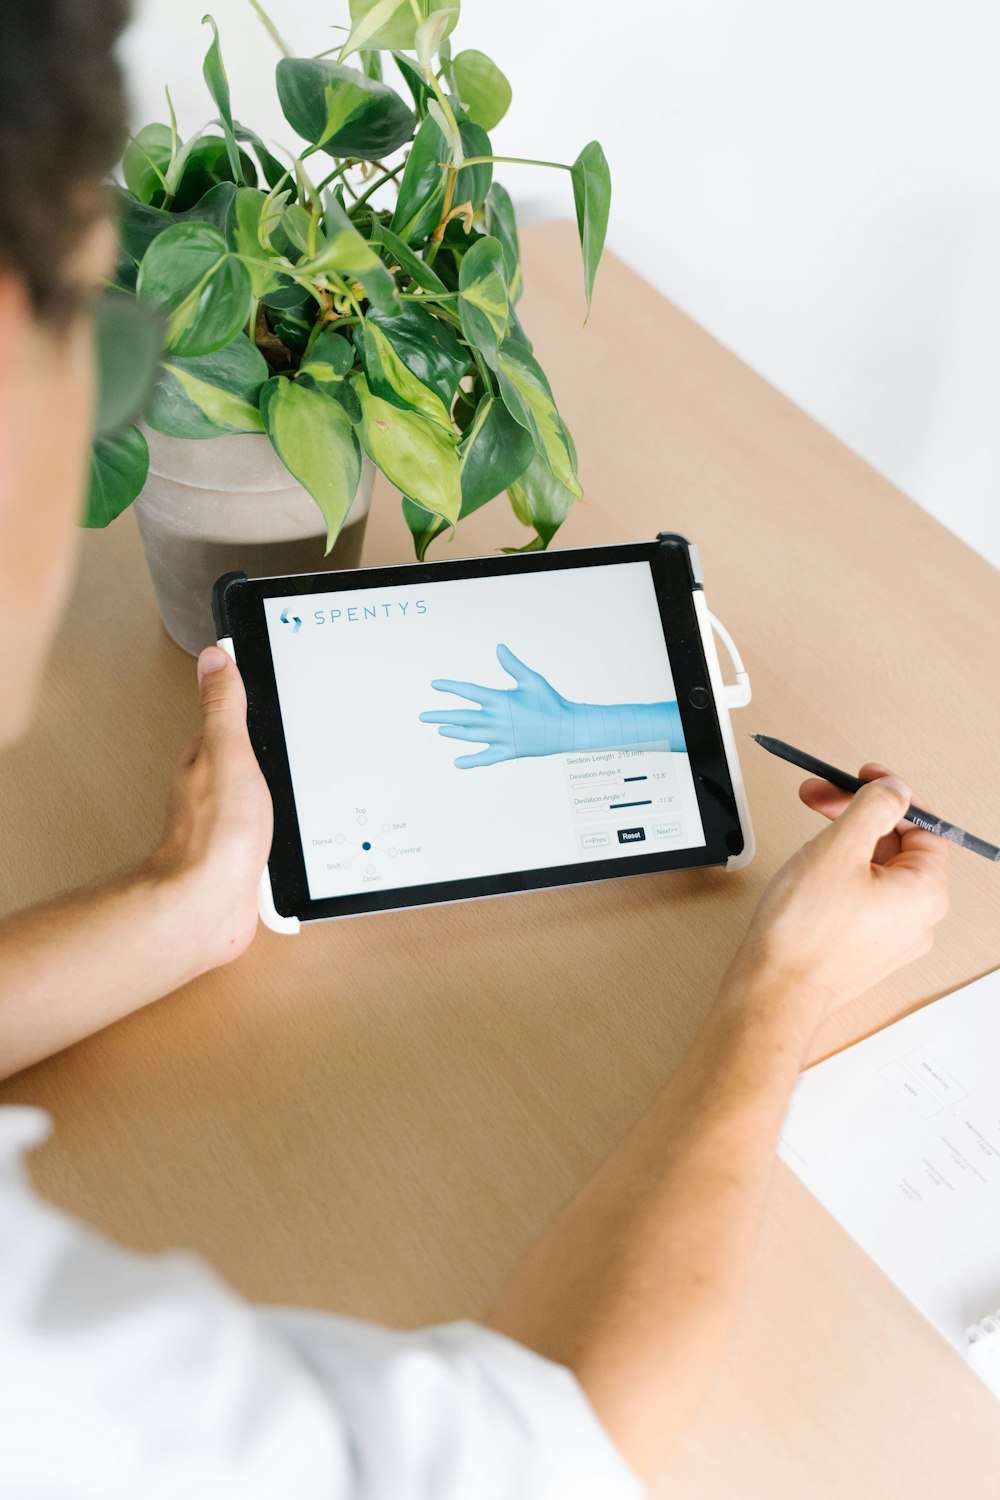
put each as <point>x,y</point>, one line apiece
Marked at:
<point>456,732</point>
<point>823,797</point>
<point>514,665</point>
<point>873,813</point>
<point>466,717</point>
<point>223,698</point>
<point>470,690</point>
<point>488,757</point>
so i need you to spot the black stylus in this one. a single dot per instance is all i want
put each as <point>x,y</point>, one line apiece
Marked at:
<point>848,783</point>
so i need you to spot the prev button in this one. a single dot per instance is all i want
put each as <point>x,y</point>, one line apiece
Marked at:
<point>631,835</point>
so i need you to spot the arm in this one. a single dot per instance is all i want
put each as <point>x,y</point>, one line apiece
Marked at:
<point>533,719</point>
<point>73,965</point>
<point>636,1283</point>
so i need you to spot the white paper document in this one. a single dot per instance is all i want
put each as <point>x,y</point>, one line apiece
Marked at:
<point>899,1137</point>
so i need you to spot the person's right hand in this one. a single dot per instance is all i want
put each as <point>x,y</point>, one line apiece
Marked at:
<point>857,902</point>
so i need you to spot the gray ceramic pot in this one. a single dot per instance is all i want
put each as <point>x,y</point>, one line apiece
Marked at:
<point>214,505</point>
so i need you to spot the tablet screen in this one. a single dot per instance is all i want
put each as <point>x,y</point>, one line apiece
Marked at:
<point>476,726</point>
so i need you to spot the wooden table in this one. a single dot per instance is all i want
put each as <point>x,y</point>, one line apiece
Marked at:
<point>378,1116</point>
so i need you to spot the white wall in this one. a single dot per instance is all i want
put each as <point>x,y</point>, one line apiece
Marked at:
<point>818,185</point>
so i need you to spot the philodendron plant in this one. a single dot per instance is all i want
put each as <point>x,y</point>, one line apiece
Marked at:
<point>296,307</point>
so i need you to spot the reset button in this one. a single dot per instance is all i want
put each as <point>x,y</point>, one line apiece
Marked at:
<point>631,835</point>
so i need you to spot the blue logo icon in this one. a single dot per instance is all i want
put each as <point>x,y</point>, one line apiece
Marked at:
<point>295,622</point>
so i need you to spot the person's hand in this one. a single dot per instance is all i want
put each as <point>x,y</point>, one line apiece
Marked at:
<point>529,719</point>
<point>218,826</point>
<point>857,902</point>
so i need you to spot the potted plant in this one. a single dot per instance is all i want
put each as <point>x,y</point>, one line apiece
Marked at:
<point>313,331</point>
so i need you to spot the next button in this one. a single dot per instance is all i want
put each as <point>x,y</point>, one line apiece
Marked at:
<point>631,835</point>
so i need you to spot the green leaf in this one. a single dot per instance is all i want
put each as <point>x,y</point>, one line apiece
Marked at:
<point>128,337</point>
<point>118,469</point>
<point>205,163</point>
<point>274,173</point>
<point>432,30</point>
<point>592,196</point>
<point>415,82</point>
<point>390,379</point>
<point>329,359</point>
<point>215,207</point>
<point>340,110</point>
<point>494,451</point>
<point>424,526</point>
<point>385,24</point>
<point>501,223</point>
<point>138,224</point>
<point>427,346</point>
<point>482,303</point>
<point>484,91</point>
<point>348,253</point>
<point>415,455</point>
<point>421,190</point>
<point>245,239</point>
<point>528,397</point>
<point>214,74</point>
<point>212,394</point>
<point>313,437</point>
<point>145,162</point>
<point>190,272</point>
<point>538,499</point>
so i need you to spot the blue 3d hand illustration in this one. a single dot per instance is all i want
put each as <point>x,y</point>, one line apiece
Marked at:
<point>531,718</point>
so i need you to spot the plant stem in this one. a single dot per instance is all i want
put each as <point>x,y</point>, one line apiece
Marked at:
<point>520,161</point>
<point>338,171</point>
<point>271,29</point>
<point>387,176</point>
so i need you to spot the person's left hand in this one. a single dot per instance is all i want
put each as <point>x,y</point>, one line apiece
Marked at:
<point>217,836</point>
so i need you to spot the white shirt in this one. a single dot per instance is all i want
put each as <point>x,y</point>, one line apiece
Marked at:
<point>129,1377</point>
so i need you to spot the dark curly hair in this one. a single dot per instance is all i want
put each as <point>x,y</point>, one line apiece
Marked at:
<point>62,128</point>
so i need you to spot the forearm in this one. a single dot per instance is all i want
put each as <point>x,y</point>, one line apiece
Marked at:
<point>71,966</point>
<point>606,726</point>
<point>635,1284</point>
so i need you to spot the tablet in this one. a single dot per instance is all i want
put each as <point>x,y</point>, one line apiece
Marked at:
<point>448,730</point>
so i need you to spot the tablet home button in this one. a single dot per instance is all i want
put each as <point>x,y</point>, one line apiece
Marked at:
<point>699,697</point>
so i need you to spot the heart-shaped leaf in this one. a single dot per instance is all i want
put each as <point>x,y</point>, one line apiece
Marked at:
<point>128,340</point>
<point>384,24</point>
<point>421,191</point>
<point>528,397</point>
<point>190,272</point>
<point>538,499</point>
<point>482,302</point>
<point>592,196</point>
<point>416,455</point>
<point>391,380</point>
<point>427,346</point>
<point>501,223</point>
<point>313,437</point>
<point>210,395</point>
<point>146,161</point>
<point>494,451</point>
<point>341,110</point>
<point>118,469</point>
<point>484,91</point>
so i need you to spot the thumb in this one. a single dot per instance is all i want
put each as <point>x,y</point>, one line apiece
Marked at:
<point>872,812</point>
<point>223,697</point>
<point>514,665</point>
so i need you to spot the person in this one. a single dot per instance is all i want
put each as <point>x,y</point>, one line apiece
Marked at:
<point>123,1375</point>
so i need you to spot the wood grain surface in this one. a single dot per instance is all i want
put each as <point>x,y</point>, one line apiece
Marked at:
<point>376,1117</point>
